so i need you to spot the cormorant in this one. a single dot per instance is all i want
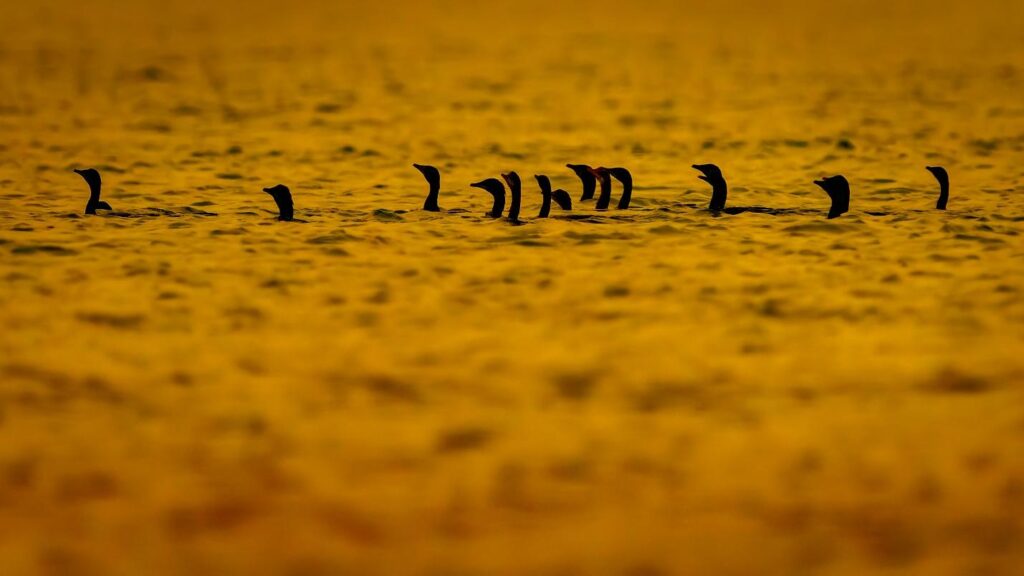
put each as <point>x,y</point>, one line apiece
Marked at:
<point>497,190</point>
<point>515,186</point>
<point>604,177</point>
<point>585,176</point>
<point>626,179</point>
<point>560,196</point>
<point>433,177</point>
<point>943,177</point>
<point>92,178</point>
<point>719,189</point>
<point>283,197</point>
<point>838,190</point>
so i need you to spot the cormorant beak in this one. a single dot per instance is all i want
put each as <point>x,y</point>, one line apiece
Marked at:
<point>419,167</point>
<point>820,183</point>
<point>269,191</point>
<point>703,175</point>
<point>79,172</point>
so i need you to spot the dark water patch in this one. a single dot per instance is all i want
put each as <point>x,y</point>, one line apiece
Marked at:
<point>979,239</point>
<point>666,229</point>
<point>229,176</point>
<point>575,386</point>
<point>229,232</point>
<point>659,396</point>
<point>333,238</point>
<point>616,291</point>
<point>383,215</point>
<point>953,381</point>
<point>196,211</point>
<point>463,439</point>
<point>816,227</point>
<point>51,249</point>
<point>112,320</point>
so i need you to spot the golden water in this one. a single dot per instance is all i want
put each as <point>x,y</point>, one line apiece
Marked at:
<point>380,390</point>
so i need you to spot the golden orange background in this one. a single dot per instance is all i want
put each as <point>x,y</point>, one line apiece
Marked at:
<point>380,390</point>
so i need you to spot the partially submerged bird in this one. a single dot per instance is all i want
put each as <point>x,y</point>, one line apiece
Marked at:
<point>283,197</point>
<point>838,189</point>
<point>719,189</point>
<point>560,196</point>
<point>515,186</point>
<point>626,179</point>
<point>943,177</point>
<point>433,177</point>
<point>586,176</point>
<point>604,177</point>
<point>92,178</point>
<point>497,191</point>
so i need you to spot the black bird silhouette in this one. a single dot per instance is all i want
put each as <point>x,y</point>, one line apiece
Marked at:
<point>561,196</point>
<point>943,177</point>
<point>515,186</point>
<point>433,177</point>
<point>497,190</point>
<point>719,189</point>
<point>92,178</point>
<point>585,176</point>
<point>602,176</point>
<point>626,179</point>
<point>283,197</point>
<point>838,189</point>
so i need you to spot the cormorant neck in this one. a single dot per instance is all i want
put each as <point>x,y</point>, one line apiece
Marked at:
<point>431,203</point>
<point>719,192</point>
<point>840,204</point>
<point>627,193</point>
<point>499,204</point>
<point>943,195</point>
<point>606,192</point>
<point>545,206</point>
<point>589,185</point>
<point>513,209</point>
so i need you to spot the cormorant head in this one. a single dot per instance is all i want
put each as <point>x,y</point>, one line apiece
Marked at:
<point>279,191</point>
<point>581,170</point>
<point>492,185</point>
<point>834,186</point>
<point>429,172</point>
<point>621,174</point>
<point>92,177</point>
<point>561,197</point>
<point>544,183</point>
<point>710,173</point>
<point>513,181</point>
<point>940,173</point>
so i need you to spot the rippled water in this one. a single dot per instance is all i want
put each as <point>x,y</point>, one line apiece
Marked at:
<point>190,386</point>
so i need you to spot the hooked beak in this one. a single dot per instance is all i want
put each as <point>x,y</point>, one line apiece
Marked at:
<point>419,167</point>
<point>702,176</point>
<point>820,183</point>
<point>269,191</point>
